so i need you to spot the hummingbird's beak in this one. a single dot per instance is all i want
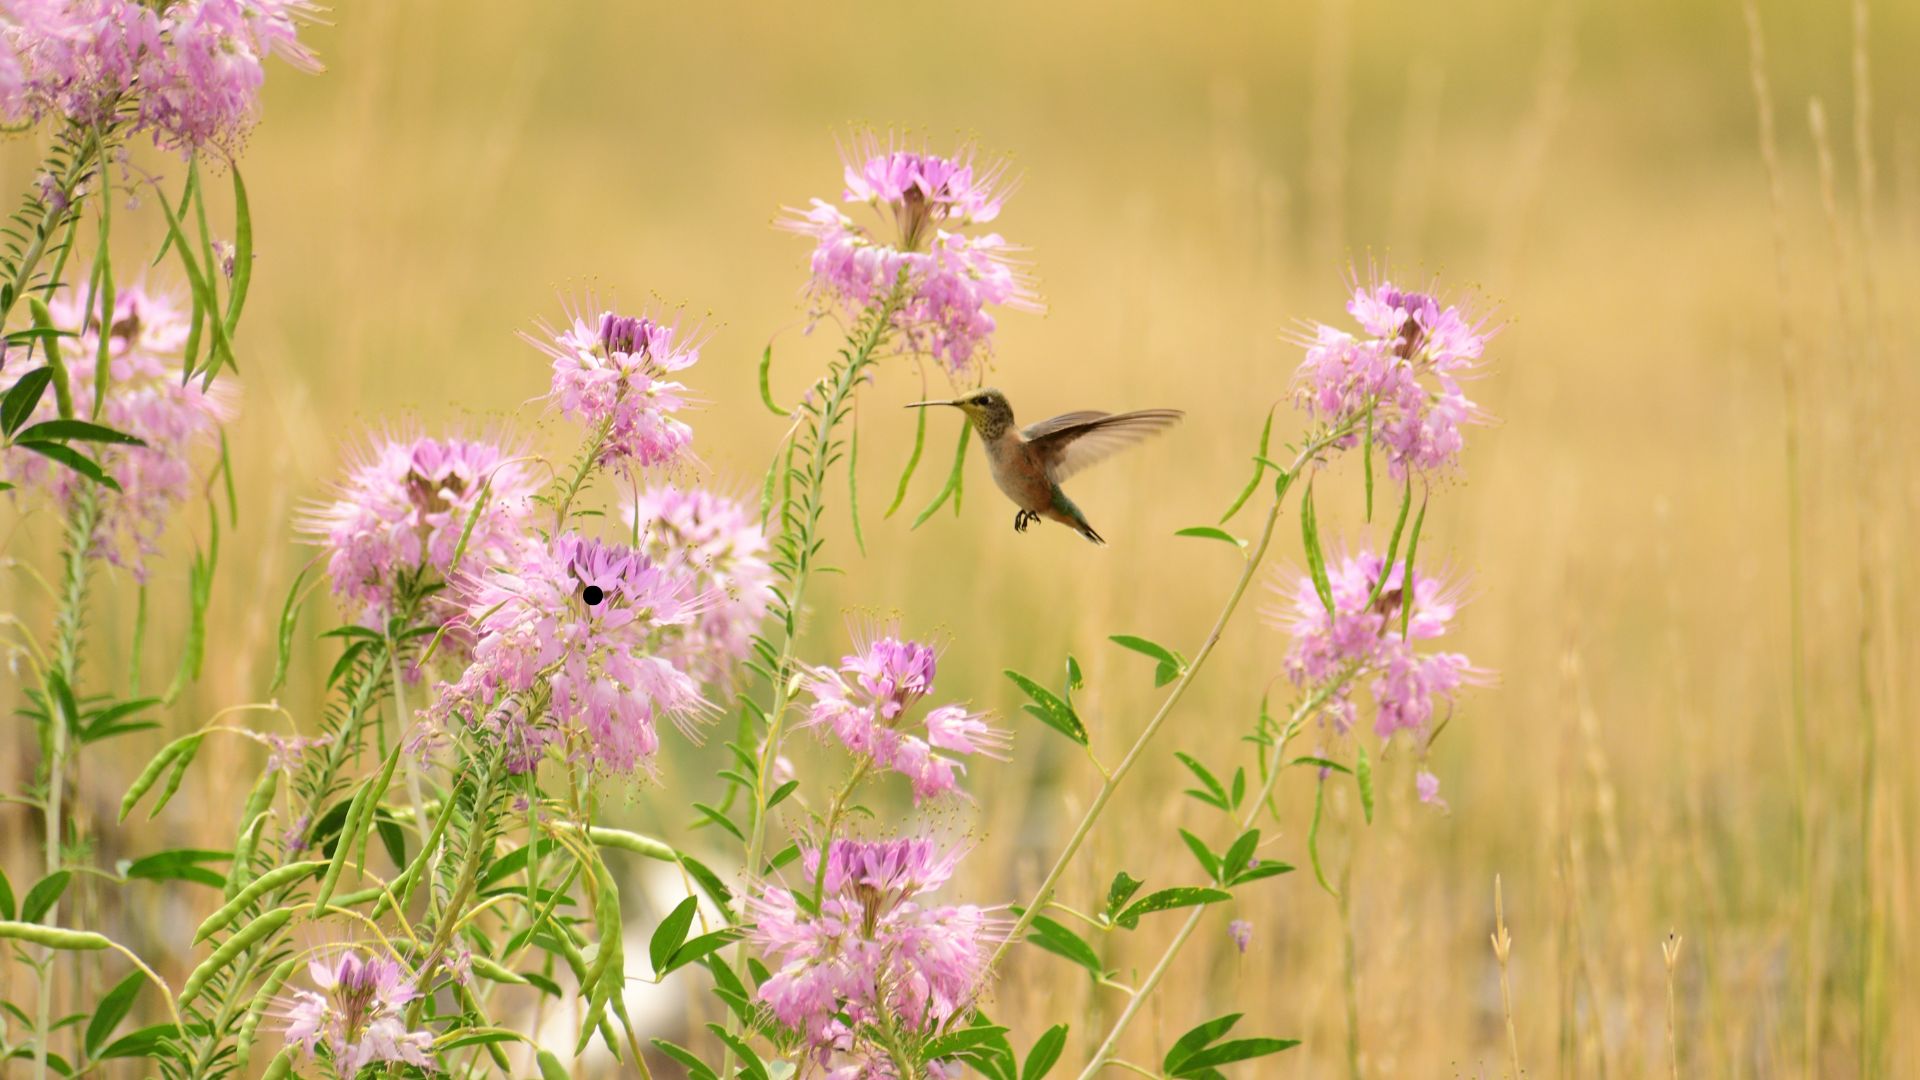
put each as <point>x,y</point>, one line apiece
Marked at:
<point>926,404</point>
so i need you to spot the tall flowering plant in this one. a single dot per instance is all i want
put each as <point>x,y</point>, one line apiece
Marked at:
<point>425,866</point>
<point>114,388</point>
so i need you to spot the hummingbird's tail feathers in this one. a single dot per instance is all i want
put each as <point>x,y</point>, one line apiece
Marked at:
<point>1086,530</point>
<point>1070,516</point>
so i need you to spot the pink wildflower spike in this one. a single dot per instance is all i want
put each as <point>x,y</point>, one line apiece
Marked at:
<point>873,949</point>
<point>1427,786</point>
<point>1362,641</point>
<point>725,550</point>
<point>358,1014</point>
<point>612,370</point>
<point>1406,367</point>
<point>532,624</point>
<point>1241,931</point>
<point>145,399</point>
<point>397,519</point>
<point>951,276</point>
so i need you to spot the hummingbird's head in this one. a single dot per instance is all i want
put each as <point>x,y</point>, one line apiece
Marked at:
<point>986,407</point>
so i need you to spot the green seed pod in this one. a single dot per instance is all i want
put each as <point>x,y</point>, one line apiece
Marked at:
<point>265,883</point>
<point>633,842</point>
<point>183,758</point>
<point>487,969</point>
<point>248,936</point>
<point>53,937</point>
<point>282,1066</point>
<point>241,871</point>
<point>258,1009</point>
<point>151,774</point>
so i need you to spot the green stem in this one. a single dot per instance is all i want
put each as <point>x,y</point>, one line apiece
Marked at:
<point>470,861</point>
<point>49,222</point>
<point>420,820</point>
<point>1180,686</point>
<point>68,625</point>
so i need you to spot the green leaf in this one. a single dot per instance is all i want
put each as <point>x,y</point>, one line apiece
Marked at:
<point>1208,860</point>
<point>1260,465</point>
<point>1363,777</point>
<point>182,864</point>
<point>913,460</point>
<point>1266,869</point>
<point>670,933</point>
<point>1215,795</point>
<point>242,252</point>
<point>141,1043</point>
<point>1209,532</point>
<point>1061,941</point>
<point>1122,890</point>
<point>1313,837</point>
<point>550,1067</point>
<point>721,820</point>
<point>1191,1043</point>
<point>954,478</point>
<point>112,1009</point>
<point>953,1042</point>
<point>289,618</point>
<point>1227,1052</point>
<point>780,793</point>
<point>21,398</point>
<point>766,385</point>
<point>1049,708</point>
<point>1322,763</point>
<point>6,898</point>
<point>44,894</point>
<point>1406,579</point>
<point>1045,1053</point>
<point>701,946</point>
<point>1240,854</point>
<point>1367,463</point>
<point>750,1063</point>
<point>1393,542</point>
<point>1316,559</point>
<point>853,485</point>
<point>1171,664</point>
<point>62,430</point>
<point>1167,900</point>
<point>72,459</point>
<point>696,1069</point>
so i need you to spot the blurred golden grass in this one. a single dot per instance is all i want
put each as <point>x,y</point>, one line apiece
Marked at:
<point>1194,181</point>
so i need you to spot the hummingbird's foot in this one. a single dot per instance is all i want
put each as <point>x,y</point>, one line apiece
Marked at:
<point>1024,518</point>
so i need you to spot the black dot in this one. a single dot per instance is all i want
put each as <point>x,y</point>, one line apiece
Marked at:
<point>593,595</point>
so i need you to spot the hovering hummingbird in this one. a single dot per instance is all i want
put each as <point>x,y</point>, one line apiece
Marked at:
<point>1030,463</point>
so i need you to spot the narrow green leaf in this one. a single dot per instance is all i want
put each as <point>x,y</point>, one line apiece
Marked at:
<point>1210,532</point>
<point>242,252</point>
<point>1260,465</point>
<point>1171,664</point>
<point>1240,854</point>
<point>1060,941</point>
<point>1167,900</point>
<point>44,894</point>
<point>1316,559</point>
<point>1367,464</point>
<point>6,897</point>
<point>72,459</point>
<point>22,397</point>
<point>1407,590</point>
<point>766,385</point>
<point>696,1069</point>
<point>698,947</point>
<point>1393,542</point>
<point>951,490</point>
<point>954,1042</point>
<point>670,933</point>
<point>1190,1043</point>
<point>289,618</point>
<point>1363,778</point>
<point>913,460</point>
<point>1050,709</point>
<point>62,430</point>
<point>1122,890</point>
<point>1203,1063</point>
<point>112,1009</point>
<point>853,485</point>
<point>1204,854</point>
<point>1045,1053</point>
<point>1313,837</point>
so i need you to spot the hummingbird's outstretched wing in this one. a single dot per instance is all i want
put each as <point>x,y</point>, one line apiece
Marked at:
<point>1069,443</point>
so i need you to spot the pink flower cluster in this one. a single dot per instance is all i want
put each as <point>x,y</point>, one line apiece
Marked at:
<point>358,1014</point>
<point>1361,641</point>
<point>865,702</point>
<point>951,277</point>
<point>535,629</point>
<point>716,541</point>
<point>397,519</point>
<point>1406,367</point>
<point>145,398</point>
<point>190,72</point>
<point>613,370</point>
<point>873,950</point>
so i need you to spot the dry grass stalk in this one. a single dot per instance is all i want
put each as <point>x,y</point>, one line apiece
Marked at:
<point>1502,948</point>
<point>1670,949</point>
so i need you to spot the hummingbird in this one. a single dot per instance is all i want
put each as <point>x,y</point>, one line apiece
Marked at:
<point>1029,464</point>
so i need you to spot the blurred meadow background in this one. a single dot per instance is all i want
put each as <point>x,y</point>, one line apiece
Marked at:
<point>1681,741</point>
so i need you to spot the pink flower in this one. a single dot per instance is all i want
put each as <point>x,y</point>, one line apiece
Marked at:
<point>1406,368</point>
<point>610,373</point>
<point>397,520</point>
<point>1361,640</point>
<point>1427,786</point>
<point>566,648</point>
<point>193,73</point>
<point>949,277</point>
<point>146,399</point>
<point>864,704</point>
<point>1241,931</point>
<point>715,540</point>
<point>358,1014</point>
<point>873,949</point>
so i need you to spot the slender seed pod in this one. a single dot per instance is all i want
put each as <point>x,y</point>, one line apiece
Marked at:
<point>245,938</point>
<point>277,979</point>
<point>53,937</point>
<point>265,883</point>
<point>151,774</point>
